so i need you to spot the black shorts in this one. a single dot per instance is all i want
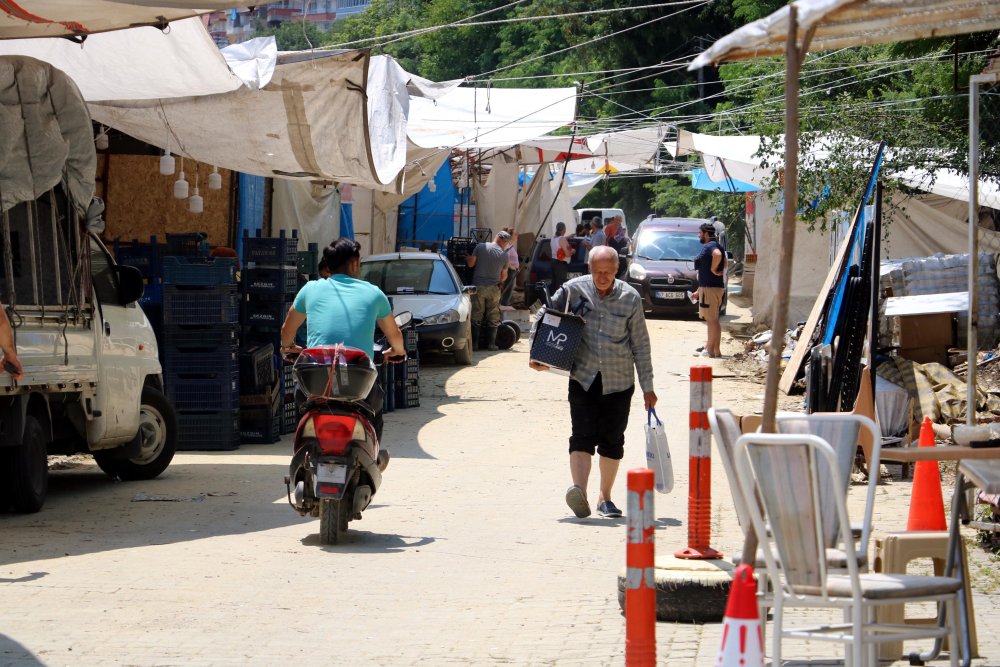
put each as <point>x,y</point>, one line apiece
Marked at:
<point>599,420</point>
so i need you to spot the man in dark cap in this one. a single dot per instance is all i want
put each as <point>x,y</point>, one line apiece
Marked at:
<point>711,265</point>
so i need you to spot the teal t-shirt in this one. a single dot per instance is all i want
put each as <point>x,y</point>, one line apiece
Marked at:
<point>341,309</point>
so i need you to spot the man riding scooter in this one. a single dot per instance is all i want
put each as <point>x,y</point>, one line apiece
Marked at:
<point>344,309</point>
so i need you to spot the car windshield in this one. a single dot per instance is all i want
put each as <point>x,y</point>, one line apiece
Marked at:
<point>666,245</point>
<point>410,276</point>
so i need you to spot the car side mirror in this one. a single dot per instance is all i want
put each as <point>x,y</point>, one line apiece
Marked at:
<point>404,318</point>
<point>469,289</point>
<point>130,284</point>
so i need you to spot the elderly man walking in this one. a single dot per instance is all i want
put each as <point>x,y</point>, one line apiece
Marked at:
<point>489,263</point>
<point>614,346</point>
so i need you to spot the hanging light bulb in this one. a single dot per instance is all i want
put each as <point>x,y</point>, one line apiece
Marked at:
<point>196,204</point>
<point>101,140</point>
<point>167,163</point>
<point>181,185</point>
<point>215,179</point>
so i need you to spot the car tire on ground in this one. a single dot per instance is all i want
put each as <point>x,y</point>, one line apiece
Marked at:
<point>156,439</point>
<point>24,470</point>
<point>463,357</point>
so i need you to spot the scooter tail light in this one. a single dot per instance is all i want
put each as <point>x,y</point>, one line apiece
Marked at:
<point>334,433</point>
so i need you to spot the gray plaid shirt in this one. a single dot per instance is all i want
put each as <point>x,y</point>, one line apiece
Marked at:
<point>615,338</point>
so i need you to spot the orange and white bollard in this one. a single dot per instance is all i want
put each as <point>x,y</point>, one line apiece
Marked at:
<point>640,582</point>
<point>700,469</point>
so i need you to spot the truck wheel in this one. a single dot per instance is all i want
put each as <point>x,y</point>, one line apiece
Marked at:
<point>26,469</point>
<point>463,357</point>
<point>156,441</point>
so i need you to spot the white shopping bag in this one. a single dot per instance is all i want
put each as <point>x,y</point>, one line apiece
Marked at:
<point>658,453</point>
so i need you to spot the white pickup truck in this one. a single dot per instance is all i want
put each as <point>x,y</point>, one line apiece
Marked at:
<point>92,378</point>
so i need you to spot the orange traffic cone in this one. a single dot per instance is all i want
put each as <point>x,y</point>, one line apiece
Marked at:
<point>742,634</point>
<point>926,503</point>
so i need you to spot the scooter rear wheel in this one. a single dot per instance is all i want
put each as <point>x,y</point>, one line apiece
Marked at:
<point>333,520</point>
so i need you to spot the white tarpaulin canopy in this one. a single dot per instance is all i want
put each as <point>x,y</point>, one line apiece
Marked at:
<point>838,24</point>
<point>340,117</point>
<point>65,18</point>
<point>73,18</point>
<point>139,63</point>
<point>489,117</point>
<point>628,150</point>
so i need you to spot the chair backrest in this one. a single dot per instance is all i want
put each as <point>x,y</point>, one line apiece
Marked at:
<point>842,431</point>
<point>786,472</point>
<point>726,431</point>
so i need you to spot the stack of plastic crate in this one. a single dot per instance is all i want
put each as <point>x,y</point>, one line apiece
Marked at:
<point>407,386</point>
<point>309,261</point>
<point>260,409</point>
<point>270,282</point>
<point>200,346</point>
<point>147,258</point>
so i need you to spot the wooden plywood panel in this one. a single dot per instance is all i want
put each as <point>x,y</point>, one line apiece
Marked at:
<point>140,201</point>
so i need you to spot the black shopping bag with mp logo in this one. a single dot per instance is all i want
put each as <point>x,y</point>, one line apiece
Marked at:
<point>557,336</point>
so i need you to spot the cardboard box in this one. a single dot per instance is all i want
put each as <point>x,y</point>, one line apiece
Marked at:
<point>919,331</point>
<point>926,355</point>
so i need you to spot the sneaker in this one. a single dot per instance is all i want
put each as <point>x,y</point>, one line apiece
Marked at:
<point>607,509</point>
<point>576,498</point>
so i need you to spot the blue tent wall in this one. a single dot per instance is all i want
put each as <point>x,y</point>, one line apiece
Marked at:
<point>347,220</point>
<point>251,207</point>
<point>427,217</point>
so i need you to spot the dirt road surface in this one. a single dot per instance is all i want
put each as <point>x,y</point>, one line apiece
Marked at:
<point>468,556</point>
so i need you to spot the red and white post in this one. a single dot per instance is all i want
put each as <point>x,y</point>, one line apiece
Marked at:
<point>700,469</point>
<point>640,582</point>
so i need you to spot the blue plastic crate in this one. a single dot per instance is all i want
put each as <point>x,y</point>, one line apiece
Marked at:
<point>199,271</point>
<point>200,363</point>
<point>221,392</point>
<point>193,244</point>
<point>259,425</point>
<point>217,430</point>
<point>152,293</point>
<point>200,305</point>
<point>266,312</point>
<point>257,369</point>
<point>281,251</point>
<point>309,260</point>
<point>221,338</point>
<point>271,281</point>
<point>143,256</point>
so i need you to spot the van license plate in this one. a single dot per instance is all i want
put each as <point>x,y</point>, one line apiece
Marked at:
<point>331,473</point>
<point>670,295</point>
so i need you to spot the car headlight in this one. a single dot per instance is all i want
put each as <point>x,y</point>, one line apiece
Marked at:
<point>636,272</point>
<point>447,317</point>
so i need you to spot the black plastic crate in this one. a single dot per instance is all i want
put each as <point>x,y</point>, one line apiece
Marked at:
<point>199,271</point>
<point>184,304</point>
<point>266,312</point>
<point>281,251</point>
<point>217,364</point>
<point>191,392</point>
<point>208,430</point>
<point>410,339</point>
<point>259,425</point>
<point>222,338</point>
<point>289,416</point>
<point>194,244</point>
<point>389,385</point>
<point>143,256</point>
<point>271,281</point>
<point>412,370</point>
<point>412,395</point>
<point>309,260</point>
<point>257,369</point>
<point>287,379</point>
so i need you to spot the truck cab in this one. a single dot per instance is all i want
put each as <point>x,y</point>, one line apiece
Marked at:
<point>92,377</point>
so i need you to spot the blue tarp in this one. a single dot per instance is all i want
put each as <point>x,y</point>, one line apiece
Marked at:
<point>428,217</point>
<point>347,220</point>
<point>251,207</point>
<point>701,181</point>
